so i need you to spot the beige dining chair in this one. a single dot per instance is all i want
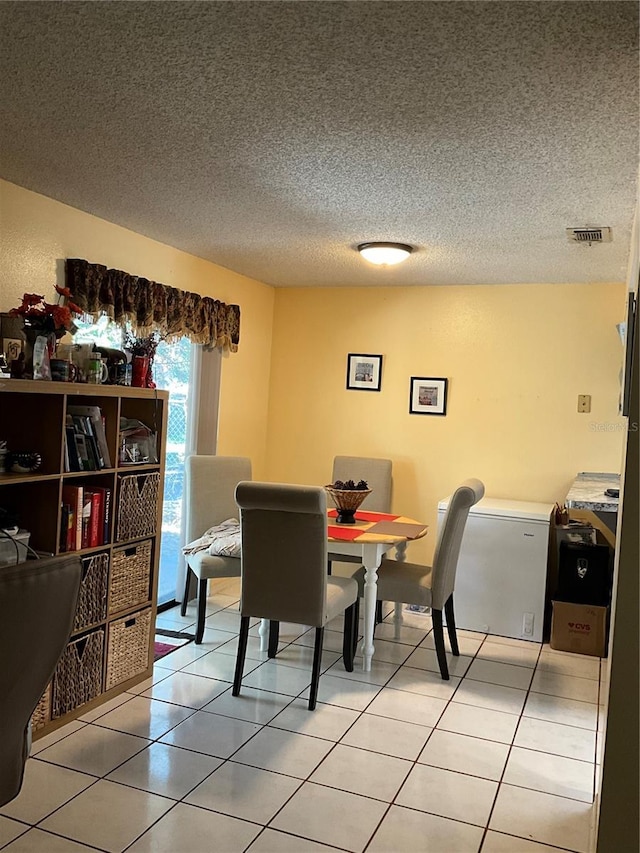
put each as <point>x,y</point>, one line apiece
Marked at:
<point>433,586</point>
<point>377,473</point>
<point>284,570</point>
<point>38,602</point>
<point>210,484</point>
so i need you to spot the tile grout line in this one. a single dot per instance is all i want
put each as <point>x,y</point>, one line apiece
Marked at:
<point>269,724</point>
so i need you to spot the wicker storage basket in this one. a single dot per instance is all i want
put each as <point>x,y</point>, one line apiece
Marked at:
<point>130,574</point>
<point>78,676</point>
<point>92,601</point>
<point>42,713</point>
<point>137,506</point>
<point>128,647</point>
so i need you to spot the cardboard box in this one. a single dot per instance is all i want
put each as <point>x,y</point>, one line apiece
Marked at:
<point>579,628</point>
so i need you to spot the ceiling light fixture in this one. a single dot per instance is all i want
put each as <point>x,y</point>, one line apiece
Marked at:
<point>385,253</point>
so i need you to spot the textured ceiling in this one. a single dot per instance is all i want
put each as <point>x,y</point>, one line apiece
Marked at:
<point>272,137</point>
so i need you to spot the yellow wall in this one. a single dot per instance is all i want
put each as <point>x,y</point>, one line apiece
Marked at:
<point>37,233</point>
<point>516,358</point>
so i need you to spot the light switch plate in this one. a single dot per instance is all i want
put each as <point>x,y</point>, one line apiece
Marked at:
<point>584,402</point>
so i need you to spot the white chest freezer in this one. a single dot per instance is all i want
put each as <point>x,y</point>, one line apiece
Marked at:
<point>502,570</point>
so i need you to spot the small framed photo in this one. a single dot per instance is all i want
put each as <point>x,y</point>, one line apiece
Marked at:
<point>364,372</point>
<point>428,396</point>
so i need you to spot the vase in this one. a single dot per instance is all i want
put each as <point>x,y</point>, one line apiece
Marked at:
<point>140,371</point>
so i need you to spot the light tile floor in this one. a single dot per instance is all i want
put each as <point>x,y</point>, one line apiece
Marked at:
<point>500,759</point>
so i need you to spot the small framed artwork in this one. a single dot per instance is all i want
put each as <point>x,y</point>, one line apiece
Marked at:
<point>11,347</point>
<point>428,396</point>
<point>364,372</point>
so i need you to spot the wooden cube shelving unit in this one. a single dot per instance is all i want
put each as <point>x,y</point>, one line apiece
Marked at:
<point>111,647</point>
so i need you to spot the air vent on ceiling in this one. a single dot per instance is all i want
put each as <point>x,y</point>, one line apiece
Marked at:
<point>589,235</point>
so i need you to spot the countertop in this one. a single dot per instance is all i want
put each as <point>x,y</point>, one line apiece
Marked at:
<point>587,492</point>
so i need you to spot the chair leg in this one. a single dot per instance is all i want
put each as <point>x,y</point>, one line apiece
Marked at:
<point>356,625</point>
<point>378,611</point>
<point>315,673</point>
<point>274,636</point>
<point>348,641</point>
<point>397,620</point>
<point>438,637</point>
<point>240,656</point>
<point>202,607</point>
<point>451,625</point>
<point>185,597</point>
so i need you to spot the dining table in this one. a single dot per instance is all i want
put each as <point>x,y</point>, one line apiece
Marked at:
<point>371,536</point>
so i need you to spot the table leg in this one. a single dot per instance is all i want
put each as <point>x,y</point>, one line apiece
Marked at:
<point>263,633</point>
<point>371,561</point>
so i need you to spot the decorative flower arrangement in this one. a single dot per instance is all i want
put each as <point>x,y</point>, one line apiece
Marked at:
<point>142,345</point>
<point>145,347</point>
<point>46,318</point>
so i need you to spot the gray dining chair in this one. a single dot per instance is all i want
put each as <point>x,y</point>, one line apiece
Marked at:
<point>433,586</point>
<point>38,602</point>
<point>284,570</point>
<point>210,484</point>
<point>377,473</point>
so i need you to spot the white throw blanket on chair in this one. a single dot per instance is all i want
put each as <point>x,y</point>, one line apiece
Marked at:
<point>222,540</point>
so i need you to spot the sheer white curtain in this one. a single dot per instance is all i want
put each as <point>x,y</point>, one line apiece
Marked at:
<point>202,431</point>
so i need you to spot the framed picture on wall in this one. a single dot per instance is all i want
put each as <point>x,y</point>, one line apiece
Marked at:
<point>428,396</point>
<point>364,372</point>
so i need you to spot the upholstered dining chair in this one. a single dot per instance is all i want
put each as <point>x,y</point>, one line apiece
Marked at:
<point>377,473</point>
<point>433,586</point>
<point>210,483</point>
<point>38,602</point>
<point>284,570</point>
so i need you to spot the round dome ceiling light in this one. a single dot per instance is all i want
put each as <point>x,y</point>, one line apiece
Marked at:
<point>385,254</point>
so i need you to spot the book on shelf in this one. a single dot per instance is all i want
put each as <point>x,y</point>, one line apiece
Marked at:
<point>95,517</point>
<point>103,514</point>
<point>86,517</point>
<point>72,496</point>
<point>95,424</point>
<point>64,526</point>
<point>80,454</point>
<point>71,457</point>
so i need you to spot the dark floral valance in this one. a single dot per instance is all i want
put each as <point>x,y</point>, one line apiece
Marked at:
<point>151,307</point>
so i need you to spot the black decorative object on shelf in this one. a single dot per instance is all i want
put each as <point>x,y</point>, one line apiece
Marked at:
<point>23,462</point>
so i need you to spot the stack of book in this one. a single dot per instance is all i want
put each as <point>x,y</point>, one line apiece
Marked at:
<point>85,446</point>
<point>86,517</point>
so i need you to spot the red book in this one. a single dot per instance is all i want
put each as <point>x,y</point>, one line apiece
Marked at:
<point>72,495</point>
<point>96,525</point>
<point>100,520</point>
<point>105,499</point>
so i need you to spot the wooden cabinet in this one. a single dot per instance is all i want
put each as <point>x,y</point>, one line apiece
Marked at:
<point>111,646</point>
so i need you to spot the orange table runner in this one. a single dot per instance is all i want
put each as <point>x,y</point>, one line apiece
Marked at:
<point>373,527</point>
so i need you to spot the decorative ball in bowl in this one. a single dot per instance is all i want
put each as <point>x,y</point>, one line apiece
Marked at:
<point>347,497</point>
<point>23,462</point>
